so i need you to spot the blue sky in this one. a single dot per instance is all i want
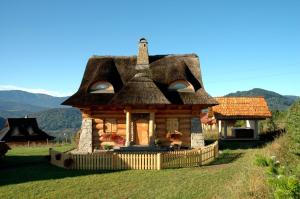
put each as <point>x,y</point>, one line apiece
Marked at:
<point>44,45</point>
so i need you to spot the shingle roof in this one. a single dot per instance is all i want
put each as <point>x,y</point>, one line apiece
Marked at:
<point>241,108</point>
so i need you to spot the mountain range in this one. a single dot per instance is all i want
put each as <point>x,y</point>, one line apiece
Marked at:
<point>275,101</point>
<point>62,121</point>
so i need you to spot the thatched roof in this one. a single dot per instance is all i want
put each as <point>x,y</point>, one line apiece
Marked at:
<point>140,90</point>
<point>241,108</point>
<point>23,129</point>
<point>129,90</point>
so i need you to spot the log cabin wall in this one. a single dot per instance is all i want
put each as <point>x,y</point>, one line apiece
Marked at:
<point>109,127</point>
<point>183,118</point>
<point>114,121</point>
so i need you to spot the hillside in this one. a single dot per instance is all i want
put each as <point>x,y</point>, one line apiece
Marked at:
<point>274,100</point>
<point>58,118</point>
<point>59,122</point>
<point>2,122</point>
<point>20,103</point>
<point>40,100</point>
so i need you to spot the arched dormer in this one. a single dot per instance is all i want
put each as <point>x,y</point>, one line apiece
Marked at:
<point>101,87</point>
<point>181,86</point>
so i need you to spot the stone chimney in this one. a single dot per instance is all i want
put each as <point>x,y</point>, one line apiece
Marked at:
<point>143,56</point>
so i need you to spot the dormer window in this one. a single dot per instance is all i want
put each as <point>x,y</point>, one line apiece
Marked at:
<point>102,87</point>
<point>181,86</point>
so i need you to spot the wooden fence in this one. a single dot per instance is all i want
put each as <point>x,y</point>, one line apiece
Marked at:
<point>135,160</point>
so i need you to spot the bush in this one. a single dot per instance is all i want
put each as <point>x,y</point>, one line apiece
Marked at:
<point>284,186</point>
<point>261,161</point>
<point>3,149</point>
<point>107,147</point>
<point>293,127</point>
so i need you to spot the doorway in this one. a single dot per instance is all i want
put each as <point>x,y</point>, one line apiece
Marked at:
<point>140,124</point>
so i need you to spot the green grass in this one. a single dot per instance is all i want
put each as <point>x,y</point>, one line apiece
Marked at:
<point>25,173</point>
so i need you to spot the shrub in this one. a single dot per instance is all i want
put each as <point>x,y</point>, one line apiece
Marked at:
<point>284,186</point>
<point>107,147</point>
<point>3,149</point>
<point>157,142</point>
<point>261,161</point>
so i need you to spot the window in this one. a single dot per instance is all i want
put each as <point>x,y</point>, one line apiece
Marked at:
<point>172,125</point>
<point>101,87</point>
<point>110,126</point>
<point>181,86</point>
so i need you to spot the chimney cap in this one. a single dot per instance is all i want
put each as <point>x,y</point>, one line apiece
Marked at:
<point>143,40</point>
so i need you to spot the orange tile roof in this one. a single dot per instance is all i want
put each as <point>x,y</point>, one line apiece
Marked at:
<point>241,108</point>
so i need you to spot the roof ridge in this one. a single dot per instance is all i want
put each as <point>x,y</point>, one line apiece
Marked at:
<point>240,97</point>
<point>131,56</point>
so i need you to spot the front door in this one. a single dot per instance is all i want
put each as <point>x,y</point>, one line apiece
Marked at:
<point>141,128</point>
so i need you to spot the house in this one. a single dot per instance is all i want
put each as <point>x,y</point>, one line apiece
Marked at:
<point>208,121</point>
<point>141,101</point>
<point>249,109</point>
<point>22,131</point>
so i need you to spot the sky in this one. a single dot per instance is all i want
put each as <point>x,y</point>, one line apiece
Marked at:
<point>45,45</point>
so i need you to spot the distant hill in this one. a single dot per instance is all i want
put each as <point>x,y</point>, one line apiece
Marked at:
<point>59,122</point>
<point>23,97</point>
<point>274,100</point>
<point>2,122</point>
<point>17,103</point>
<point>58,118</point>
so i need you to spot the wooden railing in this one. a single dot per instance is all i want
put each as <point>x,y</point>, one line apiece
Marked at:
<point>135,160</point>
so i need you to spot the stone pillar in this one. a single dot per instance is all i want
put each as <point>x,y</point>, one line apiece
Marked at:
<point>85,140</point>
<point>151,128</point>
<point>128,128</point>
<point>197,139</point>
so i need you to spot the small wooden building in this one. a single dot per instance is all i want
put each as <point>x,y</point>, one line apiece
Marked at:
<point>141,100</point>
<point>231,109</point>
<point>22,131</point>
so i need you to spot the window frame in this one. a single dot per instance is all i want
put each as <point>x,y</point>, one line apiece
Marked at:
<point>189,87</point>
<point>94,90</point>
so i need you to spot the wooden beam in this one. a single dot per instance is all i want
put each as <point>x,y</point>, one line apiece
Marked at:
<point>151,128</point>
<point>128,128</point>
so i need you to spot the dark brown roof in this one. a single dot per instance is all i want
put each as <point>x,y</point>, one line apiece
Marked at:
<point>120,72</point>
<point>241,108</point>
<point>23,129</point>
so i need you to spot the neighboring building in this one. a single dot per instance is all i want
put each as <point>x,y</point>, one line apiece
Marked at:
<point>22,130</point>
<point>140,100</point>
<point>208,121</point>
<point>231,109</point>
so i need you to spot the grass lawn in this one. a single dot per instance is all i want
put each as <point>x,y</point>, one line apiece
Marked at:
<point>25,173</point>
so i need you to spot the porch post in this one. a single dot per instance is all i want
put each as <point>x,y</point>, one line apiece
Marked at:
<point>256,130</point>
<point>220,128</point>
<point>128,128</point>
<point>225,129</point>
<point>248,125</point>
<point>151,128</point>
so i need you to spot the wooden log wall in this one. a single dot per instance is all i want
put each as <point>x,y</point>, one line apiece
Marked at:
<point>161,115</point>
<point>100,117</point>
<point>184,125</point>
